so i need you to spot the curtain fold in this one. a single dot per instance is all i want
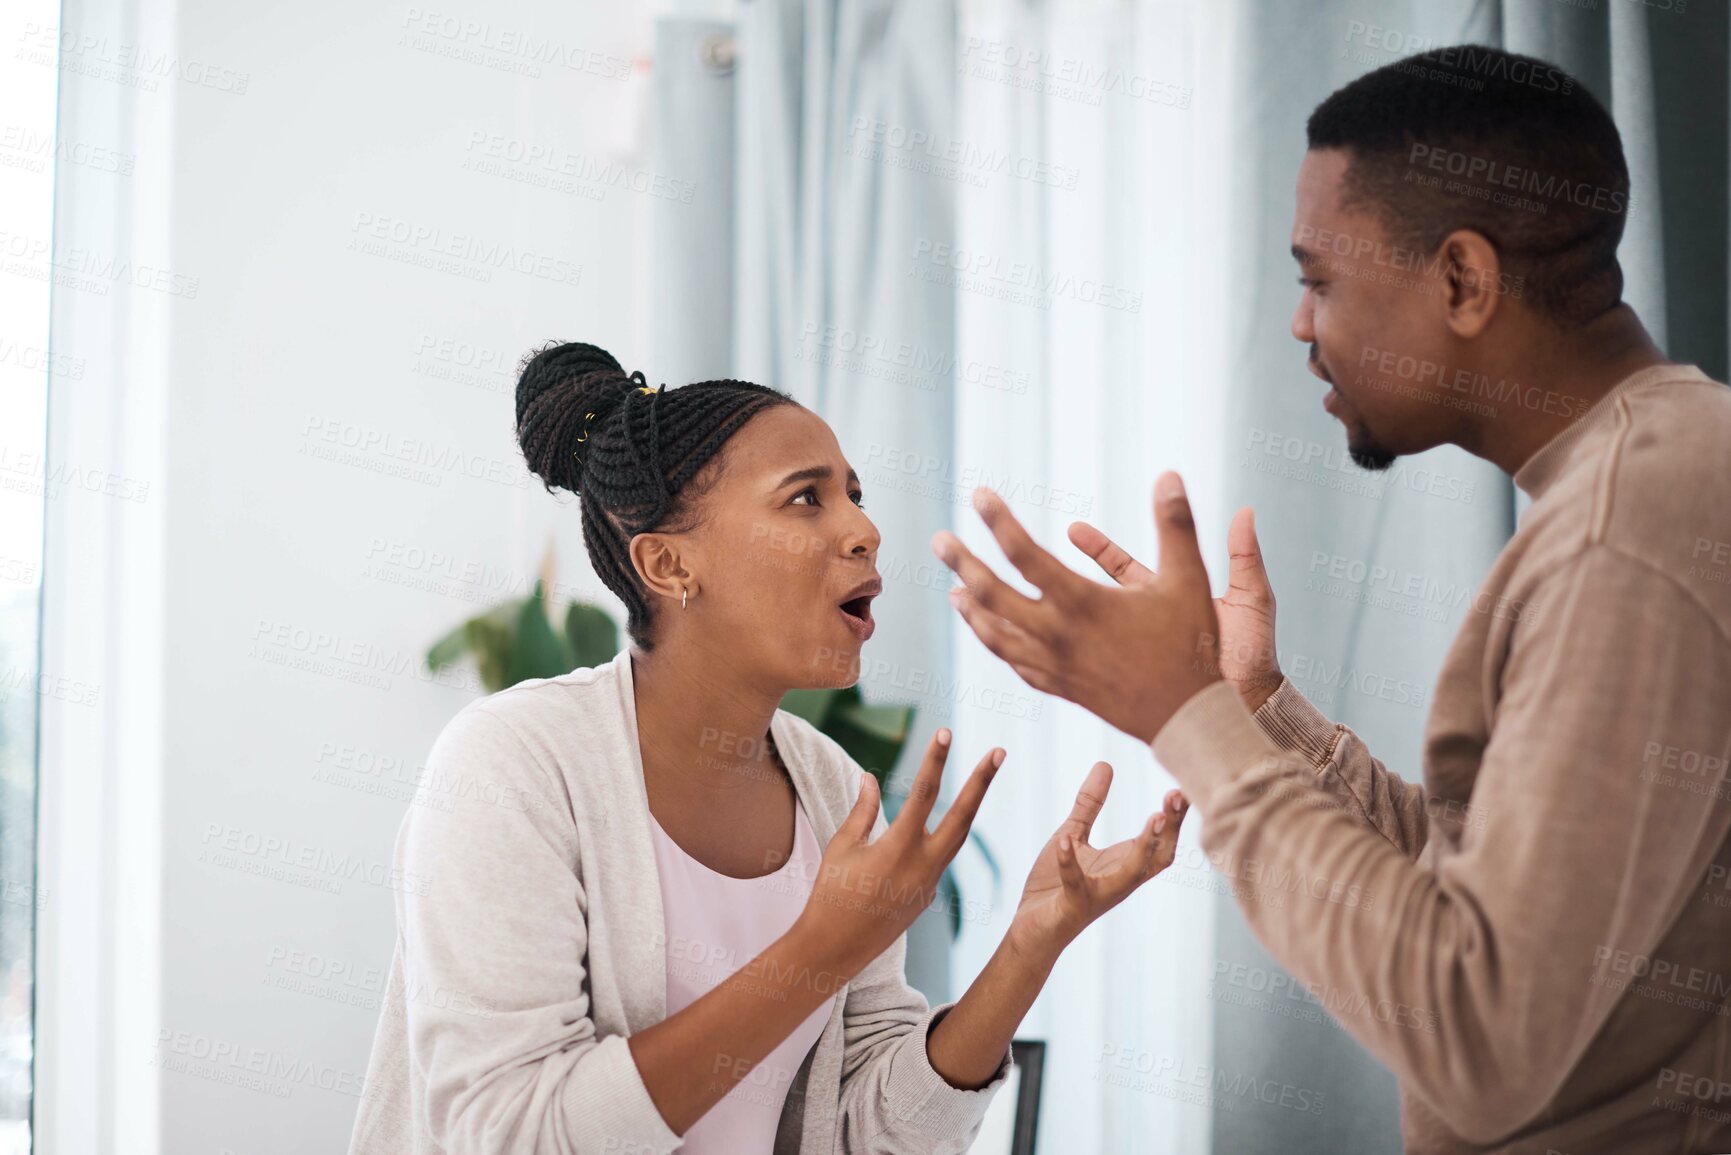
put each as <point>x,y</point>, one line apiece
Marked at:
<point>833,210</point>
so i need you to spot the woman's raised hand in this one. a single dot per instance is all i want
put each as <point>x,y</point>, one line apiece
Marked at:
<point>867,893</point>
<point>1073,883</point>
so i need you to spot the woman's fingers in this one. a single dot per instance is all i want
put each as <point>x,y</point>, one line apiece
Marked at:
<point>857,826</point>
<point>1070,872</point>
<point>953,827</point>
<point>924,791</point>
<point>1089,799</point>
<point>1175,807</point>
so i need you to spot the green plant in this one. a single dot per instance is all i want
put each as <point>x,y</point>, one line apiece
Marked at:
<point>517,640</point>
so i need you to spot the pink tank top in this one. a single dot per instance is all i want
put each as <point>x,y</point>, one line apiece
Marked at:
<point>716,924</point>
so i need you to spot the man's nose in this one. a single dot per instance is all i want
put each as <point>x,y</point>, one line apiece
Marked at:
<point>1302,328</point>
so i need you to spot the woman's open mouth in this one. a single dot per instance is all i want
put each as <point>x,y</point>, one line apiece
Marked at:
<point>856,608</point>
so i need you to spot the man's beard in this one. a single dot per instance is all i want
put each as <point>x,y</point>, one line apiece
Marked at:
<point>1366,453</point>
<point>1360,445</point>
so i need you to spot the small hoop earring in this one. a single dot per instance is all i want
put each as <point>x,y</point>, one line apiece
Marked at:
<point>682,596</point>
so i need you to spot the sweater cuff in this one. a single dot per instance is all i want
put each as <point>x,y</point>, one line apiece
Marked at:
<point>1288,718</point>
<point>610,1102</point>
<point>1209,741</point>
<point>921,1097</point>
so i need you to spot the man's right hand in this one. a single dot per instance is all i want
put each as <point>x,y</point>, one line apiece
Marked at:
<point>1246,612</point>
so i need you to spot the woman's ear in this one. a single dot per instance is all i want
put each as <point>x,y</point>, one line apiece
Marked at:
<point>662,566</point>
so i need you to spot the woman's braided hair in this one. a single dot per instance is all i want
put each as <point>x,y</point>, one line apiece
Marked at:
<point>630,453</point>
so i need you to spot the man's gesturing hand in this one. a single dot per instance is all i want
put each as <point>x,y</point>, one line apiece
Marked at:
<point>1246,612</point>
<point>1131,654</point>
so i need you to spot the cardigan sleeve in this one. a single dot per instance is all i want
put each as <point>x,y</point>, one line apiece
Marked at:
<point>892,1099</point>
<point>496,1001</point>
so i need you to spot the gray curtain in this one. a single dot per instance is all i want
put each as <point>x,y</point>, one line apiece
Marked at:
<point>798,277</point>
<point>1442,516</point>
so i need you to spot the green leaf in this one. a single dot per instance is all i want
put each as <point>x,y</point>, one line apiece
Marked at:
<point>538,652</point>
<point>448,649</point>
<point>591,633</point>
<point>812,705</point>
<point>951,894</point>
<point>490,638</point>
<point>872,751</point>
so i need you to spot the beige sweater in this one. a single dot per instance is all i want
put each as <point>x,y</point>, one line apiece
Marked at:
<point>1537,941</point>
<point>538,946</point>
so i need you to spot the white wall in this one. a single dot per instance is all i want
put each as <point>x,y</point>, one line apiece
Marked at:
<point>291,595</point>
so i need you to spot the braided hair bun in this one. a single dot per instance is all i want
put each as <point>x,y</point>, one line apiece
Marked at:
<point>566,394</point>
<point>635,455</point>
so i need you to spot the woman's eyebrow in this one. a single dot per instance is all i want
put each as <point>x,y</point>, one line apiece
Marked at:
<point>815,473</point>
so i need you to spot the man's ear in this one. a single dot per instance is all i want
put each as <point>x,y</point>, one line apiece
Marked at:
<point>1475,282</point>
<point>661,565</point>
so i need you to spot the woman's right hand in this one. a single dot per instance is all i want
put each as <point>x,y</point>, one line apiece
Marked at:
<point>868,893</point>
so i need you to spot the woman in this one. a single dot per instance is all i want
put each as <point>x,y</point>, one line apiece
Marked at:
<point>669,917</point>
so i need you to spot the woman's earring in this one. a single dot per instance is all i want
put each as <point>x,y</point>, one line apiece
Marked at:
<point>682,595</point>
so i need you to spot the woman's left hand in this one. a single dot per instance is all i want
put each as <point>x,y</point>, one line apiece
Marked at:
<point>1073,883</point>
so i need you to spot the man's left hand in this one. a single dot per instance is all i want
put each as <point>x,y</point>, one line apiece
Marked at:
<point>1131,655</point>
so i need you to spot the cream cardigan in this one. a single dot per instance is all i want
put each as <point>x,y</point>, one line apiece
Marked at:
<point>534,945</point>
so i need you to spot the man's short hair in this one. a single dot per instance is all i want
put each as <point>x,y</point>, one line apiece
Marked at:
<point>1512,147</point>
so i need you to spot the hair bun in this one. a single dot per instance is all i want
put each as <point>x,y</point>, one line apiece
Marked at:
<point>565,393</point>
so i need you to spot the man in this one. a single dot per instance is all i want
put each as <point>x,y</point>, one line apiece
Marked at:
<point>1537,941</point>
